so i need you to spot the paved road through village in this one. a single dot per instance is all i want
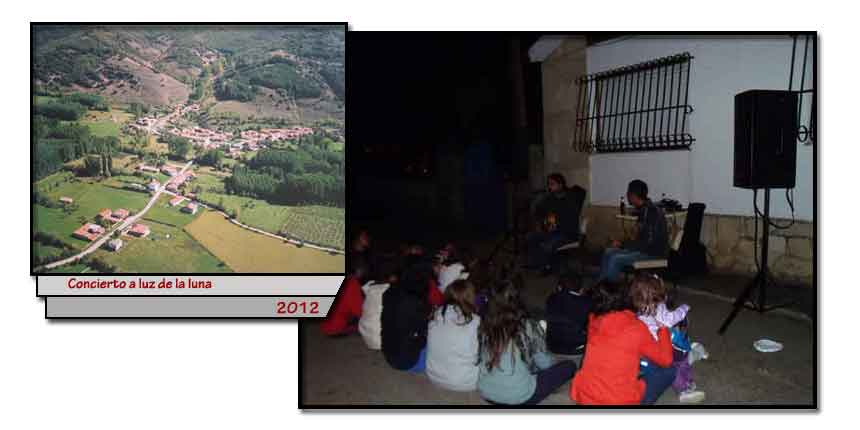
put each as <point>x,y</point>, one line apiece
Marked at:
<point>125,223</point>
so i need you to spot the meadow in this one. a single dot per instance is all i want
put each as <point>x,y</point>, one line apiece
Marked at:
<point>162,212</point>
<point>317,224</point>
<point>105,123</point>
<point>90,197</point>
<point>70,268</point>
<point>258,253</point>
<point>166,249</point>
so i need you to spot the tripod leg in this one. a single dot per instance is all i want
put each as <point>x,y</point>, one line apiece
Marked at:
<point>740,301</point>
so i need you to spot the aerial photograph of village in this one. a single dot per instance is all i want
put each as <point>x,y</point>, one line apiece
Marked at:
<point>187,149</point>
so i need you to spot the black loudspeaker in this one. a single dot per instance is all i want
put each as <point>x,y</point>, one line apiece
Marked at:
<point>765,139</point>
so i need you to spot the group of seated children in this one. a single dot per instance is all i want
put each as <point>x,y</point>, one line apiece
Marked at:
<point>634,348</point>
<point>427,316</point>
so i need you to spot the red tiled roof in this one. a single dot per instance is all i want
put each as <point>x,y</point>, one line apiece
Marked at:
<point>140,228</point>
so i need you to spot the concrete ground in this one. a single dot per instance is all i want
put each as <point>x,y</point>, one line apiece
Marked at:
<point>342,371</point>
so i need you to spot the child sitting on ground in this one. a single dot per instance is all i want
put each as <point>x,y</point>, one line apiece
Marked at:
<point>405,311</point>
<point>515,367</point>
<point>343,317</point>
<point>648,294</point>
<point>455,267</point>
<point>452,340</point>
<point>567,318</point>
<point>616,341</point>
<point>370,324</point>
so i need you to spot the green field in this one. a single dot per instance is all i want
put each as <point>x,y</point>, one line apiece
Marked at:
<point>40,250</point>
<point>209,181</point>
<point>163,213</point>
<point>70,268</point>
<point>336,146</point>
<point>317,224</point>
<point>157,252</point>
<point>246,251</point>
<point>91,197</point>
<point>105,123</point>
<point>43,99</point>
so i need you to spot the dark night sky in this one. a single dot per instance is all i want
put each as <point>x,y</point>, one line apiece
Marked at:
<point>406,89</point>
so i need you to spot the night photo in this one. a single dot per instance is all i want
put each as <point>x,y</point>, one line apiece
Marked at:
<point>592,219</point>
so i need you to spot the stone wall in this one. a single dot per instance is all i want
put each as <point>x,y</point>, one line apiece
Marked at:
<point>559,72</point>
<point>730,243</point>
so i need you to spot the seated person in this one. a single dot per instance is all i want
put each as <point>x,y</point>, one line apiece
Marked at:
<point>360,246</point>
<point>515,367</point>
<point>652,239</point>
<point>567,318</point>
<point>370,323</point>
<point>558,215</point>
<point>405,311</point>
<point>617,340</point>
<point>343,317</point>
<point>452,340</point>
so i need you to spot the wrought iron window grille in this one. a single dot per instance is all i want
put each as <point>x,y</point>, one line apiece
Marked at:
<point>640,107</point>
<point>806,129</point>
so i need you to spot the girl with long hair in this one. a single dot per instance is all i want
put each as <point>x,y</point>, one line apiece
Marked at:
<point>515,367</point>
<point>452,339</point>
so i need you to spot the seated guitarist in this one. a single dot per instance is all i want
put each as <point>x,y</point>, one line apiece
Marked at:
<point>652,240</point>
<point>558,223</point>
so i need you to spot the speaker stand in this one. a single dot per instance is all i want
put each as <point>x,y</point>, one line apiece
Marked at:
<point>761,280</point>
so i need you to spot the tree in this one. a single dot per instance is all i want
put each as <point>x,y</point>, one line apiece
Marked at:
<point>212,157</point>
<point>178,146</point>
<point>92,165</point>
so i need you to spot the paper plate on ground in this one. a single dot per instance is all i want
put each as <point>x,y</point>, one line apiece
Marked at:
<point>767,345</point>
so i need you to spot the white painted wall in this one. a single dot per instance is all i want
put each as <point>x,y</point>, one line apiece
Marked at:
<point>722,67</point>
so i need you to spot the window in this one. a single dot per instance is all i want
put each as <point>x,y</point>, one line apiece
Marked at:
<point>641,107</point>
<point>805,88</point>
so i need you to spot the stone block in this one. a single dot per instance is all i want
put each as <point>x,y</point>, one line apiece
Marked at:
<point>775,247</point>
<point>799,229</point>
<point>793,268</point>
<point>709,231</point>
<point>744,266</point>
<point>744,249</point>
<point>750,227</point>
<point>729,230</point>
<point>800,247</point>
<point>722,262</point>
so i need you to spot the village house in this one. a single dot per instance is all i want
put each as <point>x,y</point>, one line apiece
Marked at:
<point>113,216</point>
<point>114,244</point>
<point>139,230</point>
<point>66,200</point>
<point>145,168</point>
<point>191,208</point>
<point>176,200</point>
<point>153,186</point>
<point>168,170</point>
<point>89,232</point>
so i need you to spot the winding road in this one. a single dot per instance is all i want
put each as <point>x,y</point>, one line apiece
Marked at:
<point>125,223</point>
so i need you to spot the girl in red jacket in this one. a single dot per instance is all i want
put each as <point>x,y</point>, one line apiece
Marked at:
<point>343,317</point>
<point>616,342</point>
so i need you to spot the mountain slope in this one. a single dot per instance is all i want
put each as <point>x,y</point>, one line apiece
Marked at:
<point>278,68</point>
